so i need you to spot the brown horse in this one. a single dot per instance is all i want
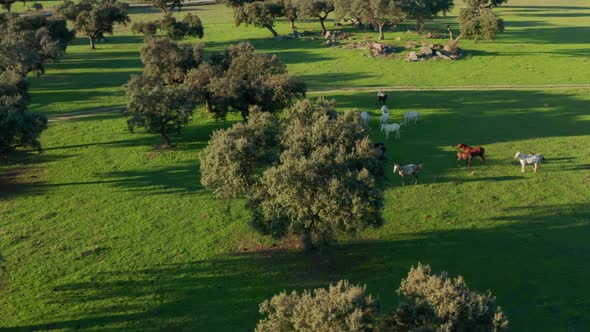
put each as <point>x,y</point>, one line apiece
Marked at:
<point>464,156</point>
<point>472,151</point>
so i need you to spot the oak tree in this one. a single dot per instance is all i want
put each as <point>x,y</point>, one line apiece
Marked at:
<point>159,108</point>
<point>260,14</point>
<point>319,9</point>
<point>95,17</point>
<point>423,10</point>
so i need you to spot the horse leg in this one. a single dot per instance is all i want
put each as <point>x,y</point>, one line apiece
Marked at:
<point>522,168</point>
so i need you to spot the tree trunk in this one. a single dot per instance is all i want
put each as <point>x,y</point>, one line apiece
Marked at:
<point>166,139</point>
<point>381,34</point>
<point>208,105</point>
<point>306,241</point>
<point>273,31</point>
<point>164,10</point>
<point>419,24</point>
<point>324,30</point>
<point>245,114</point>
<point>92,42</point>
<point>292,25</point>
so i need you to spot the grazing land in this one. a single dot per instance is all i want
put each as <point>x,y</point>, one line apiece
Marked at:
<point>105,232</point>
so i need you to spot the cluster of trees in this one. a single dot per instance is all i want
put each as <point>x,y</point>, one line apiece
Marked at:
<point>432,302</point>
<point>177,78</point>
<point>477,19</point>
<point>191,25</point>
<point>95,18</point>
<point>379,13</point>
<point>310,172</point>
<point>27,44</point>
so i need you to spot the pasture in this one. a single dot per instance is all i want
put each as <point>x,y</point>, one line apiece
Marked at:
<point>104,232</point>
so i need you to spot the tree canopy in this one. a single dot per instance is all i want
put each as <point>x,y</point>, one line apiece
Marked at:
<point>260,14</point>
<point>166,5</point>
<point>377,12</point>
<point>423,10</point>
<point>95,17</point>
<point>319,9</point>
<point>318,175</point>
<point>161,109</point>
<point>169,61</point>
<point>478,21</point>
<point>191,25</point>
<point>29,43</point>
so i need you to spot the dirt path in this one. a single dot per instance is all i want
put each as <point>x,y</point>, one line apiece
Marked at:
<point>84,114</point>
<point>453,88</point>
<point>98,111</point>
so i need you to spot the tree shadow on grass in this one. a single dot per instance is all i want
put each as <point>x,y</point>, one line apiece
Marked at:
<point>533,261</point>
<point>17,177</point>
<point>556,35</point>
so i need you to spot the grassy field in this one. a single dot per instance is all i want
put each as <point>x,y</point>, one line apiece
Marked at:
<point>104,232</point>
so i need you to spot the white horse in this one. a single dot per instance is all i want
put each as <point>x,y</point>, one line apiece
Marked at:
<point>407,170</point>
<point>412,115</point>
<point>365,116</point>
<point>384,109</point>
<point>389,128</point>
<point>384,118</point>
<point>528,159</point>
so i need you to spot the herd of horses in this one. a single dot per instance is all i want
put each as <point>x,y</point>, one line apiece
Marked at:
<point>465,152</point>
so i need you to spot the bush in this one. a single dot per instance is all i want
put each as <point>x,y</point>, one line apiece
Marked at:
<point>436,302</point>
<point>341,307</point>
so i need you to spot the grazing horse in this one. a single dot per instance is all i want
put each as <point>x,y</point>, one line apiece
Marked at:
<point>406,170</point>
<point>474,152</point>
<point>528,159</point>
<point>412,115</point>
<point>365,116</point>
<point>464,156</point>
<point>390,128</point>
<point>381,98</point>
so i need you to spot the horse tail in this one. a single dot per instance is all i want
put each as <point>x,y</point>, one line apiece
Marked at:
<point>482,150</point>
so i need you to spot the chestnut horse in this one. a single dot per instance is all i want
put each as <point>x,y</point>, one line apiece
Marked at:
<point>470,152</point>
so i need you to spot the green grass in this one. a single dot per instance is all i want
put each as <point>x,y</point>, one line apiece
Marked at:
<point>105,232</point>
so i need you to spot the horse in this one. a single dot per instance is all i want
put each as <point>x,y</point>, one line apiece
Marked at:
<point>384,109</point>
<point>381,98</point>
<point>474,151</point>
<point>465,156</point>
<point>412,115</point>
<point>365,116</point>
<point>406,170</point>
<point>528,159</point>
<point>389,128</point>
<point>384,118</point>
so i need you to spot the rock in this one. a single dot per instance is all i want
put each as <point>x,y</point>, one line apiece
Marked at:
<point>398,38</point>
<point>412,57</point>
<point>426,49</point>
